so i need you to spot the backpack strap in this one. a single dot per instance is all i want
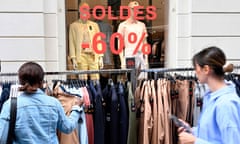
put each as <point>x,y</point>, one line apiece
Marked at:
<point>13,114</point>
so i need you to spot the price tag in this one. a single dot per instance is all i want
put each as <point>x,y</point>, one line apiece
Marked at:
<point>130,62</point>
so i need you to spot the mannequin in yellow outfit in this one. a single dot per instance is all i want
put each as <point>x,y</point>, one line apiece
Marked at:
<point>81,51</point>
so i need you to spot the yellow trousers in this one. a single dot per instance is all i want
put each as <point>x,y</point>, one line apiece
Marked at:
<point>88,61</point>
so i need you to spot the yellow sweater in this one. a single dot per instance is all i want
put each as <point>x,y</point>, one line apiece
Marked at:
<point>76,38</point>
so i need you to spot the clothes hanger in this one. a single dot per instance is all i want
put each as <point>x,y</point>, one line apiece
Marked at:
<point>110,82</point>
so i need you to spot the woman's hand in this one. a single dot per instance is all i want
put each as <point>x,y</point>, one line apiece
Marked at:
<point>186,138</point>
<point>78,101</point>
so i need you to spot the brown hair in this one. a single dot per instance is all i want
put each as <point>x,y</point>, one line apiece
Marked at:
<point>30,76</point>
<point>212,56</point>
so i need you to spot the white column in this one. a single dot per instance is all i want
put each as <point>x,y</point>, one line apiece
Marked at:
<point>61,35</point>
<point>171,42</point>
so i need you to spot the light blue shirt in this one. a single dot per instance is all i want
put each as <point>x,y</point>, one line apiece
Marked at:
<point>219,122</point>
<point>82,127</point>
<point>38,118</point>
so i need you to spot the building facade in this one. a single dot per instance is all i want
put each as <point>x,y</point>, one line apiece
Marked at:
<point>36,30</point>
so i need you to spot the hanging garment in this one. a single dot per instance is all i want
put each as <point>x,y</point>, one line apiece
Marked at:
<point>112,114</point>
<point>165,86</point>
<point>200,90</point>
<point>4,94</point>
<point>67,102</point>
<point>153,102</point>
<point>236,81</point>
<point>89,117</point>
<point>161,123</point>
<point>146,119</point>
<point>138,102</point>
<point>132,127</point>
<point>82,126</point>
<point>183,99</point>
<point>191,103</point>
<point>123,114</point>
<point>174,95</point>
<point>98,114</point>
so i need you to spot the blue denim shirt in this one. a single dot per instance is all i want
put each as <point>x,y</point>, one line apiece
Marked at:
<point>38,118</point>
<point>219,122</point>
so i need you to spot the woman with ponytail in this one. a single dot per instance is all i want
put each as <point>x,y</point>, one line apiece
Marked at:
<point>38,115</point>
<point>219,122</point>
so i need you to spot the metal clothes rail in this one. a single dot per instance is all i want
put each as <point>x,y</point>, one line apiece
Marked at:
<point>116,71</point>
<point>158,70</point>
<point>163,70</point>
<point>133,73</point>
<point>78,72</point>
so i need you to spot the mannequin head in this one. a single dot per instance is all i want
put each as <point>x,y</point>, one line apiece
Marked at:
<point>84,10</point>
<point>132,4</point>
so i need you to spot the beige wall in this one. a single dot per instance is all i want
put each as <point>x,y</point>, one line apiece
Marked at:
<point>35,30</point>
<point>202,23</point>
<point>29,31</point>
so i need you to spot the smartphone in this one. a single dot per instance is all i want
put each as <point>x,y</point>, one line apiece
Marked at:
<point>178,123</point>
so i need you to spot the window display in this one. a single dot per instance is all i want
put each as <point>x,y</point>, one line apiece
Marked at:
<point>135,30</point>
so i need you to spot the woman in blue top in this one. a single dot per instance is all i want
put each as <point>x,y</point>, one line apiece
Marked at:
<point>219,122</point>
<point>38,115</point>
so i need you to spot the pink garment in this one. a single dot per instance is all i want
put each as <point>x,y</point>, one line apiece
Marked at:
<point>86,98</point>
<point>89,116</point>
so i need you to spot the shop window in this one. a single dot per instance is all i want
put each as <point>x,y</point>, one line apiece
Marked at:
<point>156,29</point>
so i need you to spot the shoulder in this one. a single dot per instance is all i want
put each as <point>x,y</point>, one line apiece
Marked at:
<point>141,24</point>
<point>92,23</point>
<point>228,105</point>
<point>75,24</point>
<point>228,113</point>
<point>123,23</point>
<point>38,98</point>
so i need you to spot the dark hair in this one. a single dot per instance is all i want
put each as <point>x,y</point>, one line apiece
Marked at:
<point>212,56</point>
<point>30,76</point>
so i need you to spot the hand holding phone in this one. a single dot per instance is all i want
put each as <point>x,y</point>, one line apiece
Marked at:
<point>179,123</point>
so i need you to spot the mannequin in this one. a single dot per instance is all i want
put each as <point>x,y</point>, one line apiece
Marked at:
<point>83,57</point>
<point>126,27</point>
<point>107,29</point>
<point>108,62</point>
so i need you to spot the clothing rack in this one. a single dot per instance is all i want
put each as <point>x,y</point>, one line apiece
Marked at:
<point>236,67</point>
<point>157,70</point>
<point>118,71</point>
<point>77,72</point>
<point>163,70</point>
